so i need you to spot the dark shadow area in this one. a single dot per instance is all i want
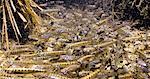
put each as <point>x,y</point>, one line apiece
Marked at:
<point>11,34</point>
<point>135,11</point>
<point>80,4</point>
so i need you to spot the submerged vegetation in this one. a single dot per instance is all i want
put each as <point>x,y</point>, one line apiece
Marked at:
<point>18,16</point>
<point>71,39</point>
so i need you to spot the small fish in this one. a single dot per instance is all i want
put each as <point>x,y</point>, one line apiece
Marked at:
<point>21,70</point>
<point>32,62</point>
<point>91,75</point>
<point>70,68</point>
<point>78,44</point>
<point>105,44</point>
<point>126,76</point>
<point>53,53</point>
<point>84,58</point>
<point>19,51</point>
<point>64,64</point>
<point>57,76</point>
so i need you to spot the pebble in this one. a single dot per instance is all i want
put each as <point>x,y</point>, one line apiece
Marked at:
<point>141,62</point>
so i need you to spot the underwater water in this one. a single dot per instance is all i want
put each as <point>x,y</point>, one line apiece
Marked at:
<point>73,39</point>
